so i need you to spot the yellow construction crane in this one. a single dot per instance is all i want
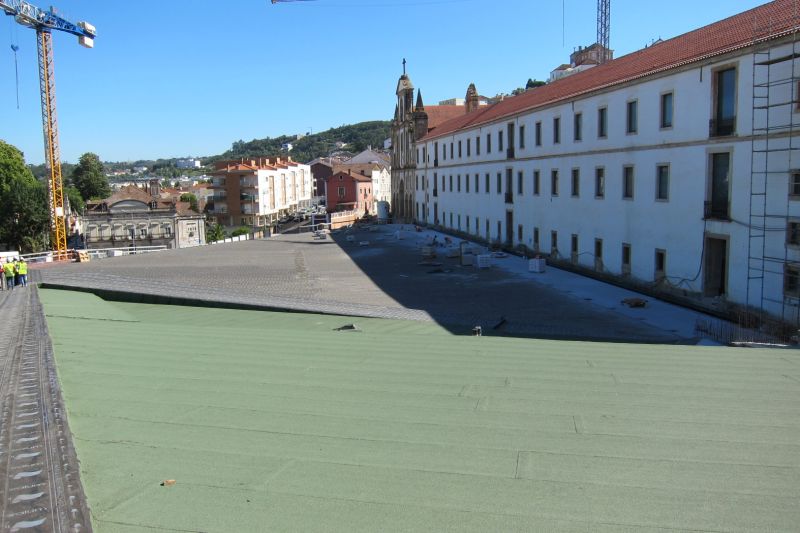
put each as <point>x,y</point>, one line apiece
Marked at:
<point>44,22</point>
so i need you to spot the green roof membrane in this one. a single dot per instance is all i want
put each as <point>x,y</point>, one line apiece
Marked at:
<point>274,421</point>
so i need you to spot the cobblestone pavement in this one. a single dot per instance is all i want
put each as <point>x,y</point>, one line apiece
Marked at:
<point>39,486</point>
<point>337,275</point>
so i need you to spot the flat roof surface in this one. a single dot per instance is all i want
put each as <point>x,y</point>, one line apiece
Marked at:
<point>272,421</point>
<point>368,271</point>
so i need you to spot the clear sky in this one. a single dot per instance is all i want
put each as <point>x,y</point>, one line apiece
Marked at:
<point>175,78</point>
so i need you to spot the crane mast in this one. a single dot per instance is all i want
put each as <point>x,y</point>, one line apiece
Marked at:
<point>44,22</point>
<point>603,28</point>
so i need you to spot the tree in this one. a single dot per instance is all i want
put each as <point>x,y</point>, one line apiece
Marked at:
<point>89,178</point>
<point>532,84</point>
<point>23,201</point>
<point>76,202</point>
<point>214,232</point>
<point>192,199</point>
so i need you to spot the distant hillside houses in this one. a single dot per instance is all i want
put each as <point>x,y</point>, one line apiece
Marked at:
<point>188,163</point>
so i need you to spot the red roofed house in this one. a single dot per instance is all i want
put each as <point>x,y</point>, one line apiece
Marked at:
<point>675,168</point>
<point>349,191</point>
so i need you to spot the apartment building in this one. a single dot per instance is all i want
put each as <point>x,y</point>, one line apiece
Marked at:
<point>257,192</point>
<point>675,166</point>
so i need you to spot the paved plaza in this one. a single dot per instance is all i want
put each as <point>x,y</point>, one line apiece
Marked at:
<point>384,278</point>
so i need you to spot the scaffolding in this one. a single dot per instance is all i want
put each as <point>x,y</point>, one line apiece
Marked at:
<point>773,255</point>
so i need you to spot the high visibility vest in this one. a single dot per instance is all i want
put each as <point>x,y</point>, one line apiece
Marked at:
<point>22,268</point>
<point>8,268</point>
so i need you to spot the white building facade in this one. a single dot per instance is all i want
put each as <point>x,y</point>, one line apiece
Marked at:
<point>258,192</point>
<point>683,178</point>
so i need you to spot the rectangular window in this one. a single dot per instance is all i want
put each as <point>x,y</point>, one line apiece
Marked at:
<point>626,258</point>
<point>499,183</point>
<point>519,233</point>
<point>718,204</point>
<point>500,140</point>
<point>724,121</point>
<point>418,156</point>
<point>793,232</point>
<point>444,152</point>
<point>576,182</point>
<point>443,187</point>
<point>556,130</point>
<point>522,137</point>
<point>477,146</point>
<point>538,134</point>
<point>578,127</point>
<point>477,183</point>
<point>451,150</point>
<point>627,182</point>
<point>666,111</point>
<point>791,280</point>
<point>794,184</point>
<point>662,182</point>
<point>602,122</point>
<point>536,239</point>
<point>488,143</point>
<point>554,243</point>
<point>536,183</point>
<point>487,229</point>
<point>459,222</point>
<point>458,182</point>
<point>487,183</point>
<point>573,248</point>
<point>341,192</point>
<point>451,219</point>
<point>466,184</point>
<point>598,254</point>
<point>631,117</point>
<point>661,264</point>
<point>451,183</point>
<point>469,147</point>
<point>477,225</point>
<point>143,233</point>
<point>459,149</point>
<point>466,226</point>
<point>599,182</point>
<point>554,183</point>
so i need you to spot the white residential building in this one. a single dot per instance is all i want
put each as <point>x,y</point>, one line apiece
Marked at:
<point>675,168</point>
<point>256,192</point>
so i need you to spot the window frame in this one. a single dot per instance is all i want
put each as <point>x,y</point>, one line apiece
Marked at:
<point>553,182</point>
<point>600,182</point>
<point>577,127</point>
<point>659,167</point>
<point>632,117</point>
<point>663,125</point>
<point>602,122</point>
<point>575,181</point>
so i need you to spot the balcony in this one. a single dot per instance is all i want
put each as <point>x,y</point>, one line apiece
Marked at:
<point>220,197</point>
<point>509,197</point>
<point>249,198</point>
<point>510,152</point>
<point>721,127</point>
<point>248,184</point>
<point>716,211</point>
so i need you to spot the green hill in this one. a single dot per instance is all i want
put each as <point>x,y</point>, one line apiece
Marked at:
<point>357,136</point>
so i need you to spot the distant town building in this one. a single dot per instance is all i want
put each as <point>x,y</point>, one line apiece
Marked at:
<point>138,217</point>
<point>188,163</point>
<point>140,169</point>
<point>349,191</point>
<point>287,147</point>
<point>257,192</point>
<point>580,60</point>
<point>673,168</point>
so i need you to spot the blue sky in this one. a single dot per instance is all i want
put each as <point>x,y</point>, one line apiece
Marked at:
<point>176,78</point>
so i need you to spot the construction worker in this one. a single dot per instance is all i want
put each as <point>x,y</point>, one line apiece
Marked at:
<point>22,270</point>
<point>8,270</point>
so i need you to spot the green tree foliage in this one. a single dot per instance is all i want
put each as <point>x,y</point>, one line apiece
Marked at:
<point>243,230</point>
<point>89,177</point>
<point>23,201</point>
<point>214,232</point>
<point>532,84</point>
<point>357,136</point>
<point>76,202</point>
<point>192,199</point>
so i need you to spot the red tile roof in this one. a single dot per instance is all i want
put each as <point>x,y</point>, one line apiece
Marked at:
<point>437,114</point>
<point>765,22</point>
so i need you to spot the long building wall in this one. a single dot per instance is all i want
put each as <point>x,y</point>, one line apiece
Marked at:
<point>668,228</point>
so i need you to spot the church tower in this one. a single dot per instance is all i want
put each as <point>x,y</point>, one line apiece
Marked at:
<point>405,133</point>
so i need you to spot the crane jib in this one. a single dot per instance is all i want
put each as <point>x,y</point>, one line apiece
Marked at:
<point>39,19</point>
